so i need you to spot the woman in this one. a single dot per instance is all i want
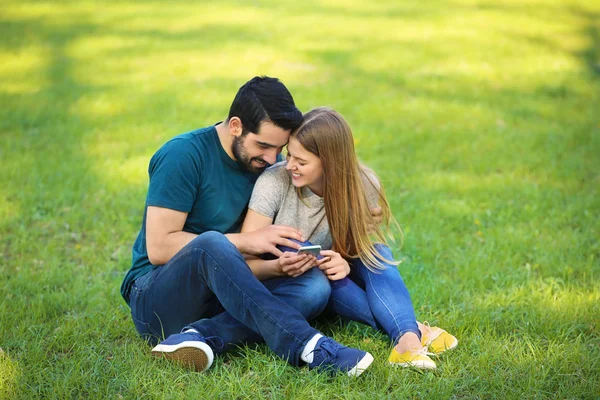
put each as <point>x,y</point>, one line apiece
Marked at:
<point>322,190</point>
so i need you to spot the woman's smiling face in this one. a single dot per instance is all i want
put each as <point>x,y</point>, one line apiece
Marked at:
<point>305,167</point>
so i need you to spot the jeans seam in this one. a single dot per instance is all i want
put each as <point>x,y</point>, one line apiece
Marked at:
<point>273,320</point>
<point>384,303</point>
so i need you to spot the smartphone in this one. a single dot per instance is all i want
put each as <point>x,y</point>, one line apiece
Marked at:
<point>314,250</point>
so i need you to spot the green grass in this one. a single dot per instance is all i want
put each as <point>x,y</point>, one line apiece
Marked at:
<point>481,117</point>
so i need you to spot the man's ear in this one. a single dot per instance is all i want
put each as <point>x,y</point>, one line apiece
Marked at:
<point>235,126</point>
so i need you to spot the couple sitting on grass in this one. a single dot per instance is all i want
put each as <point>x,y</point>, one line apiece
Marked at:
<point>216,264</point>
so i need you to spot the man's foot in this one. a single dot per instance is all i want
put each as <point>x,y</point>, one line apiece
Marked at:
<point>437,340</point>
<point>418,359</point>
<point>189,349</point>
<point>332,356</point>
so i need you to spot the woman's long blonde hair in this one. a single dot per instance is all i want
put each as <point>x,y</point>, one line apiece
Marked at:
<point>325,133</point>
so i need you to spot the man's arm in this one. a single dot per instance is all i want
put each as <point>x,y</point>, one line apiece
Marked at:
<point>259,236</point>
<point>164,234</point>
<point>287,263</point>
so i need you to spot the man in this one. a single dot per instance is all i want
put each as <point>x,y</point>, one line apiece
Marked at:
<point>189,281</point>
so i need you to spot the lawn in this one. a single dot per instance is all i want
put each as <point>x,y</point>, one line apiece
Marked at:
<point>481,117</point>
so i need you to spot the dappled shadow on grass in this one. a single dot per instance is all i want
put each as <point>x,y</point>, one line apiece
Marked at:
<point>61,198</point>
<point>507,177</point>
<point>66,247</point>
<point>591,55</point>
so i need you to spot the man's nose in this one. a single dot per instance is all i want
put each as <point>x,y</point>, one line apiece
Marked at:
<point>271,157</point>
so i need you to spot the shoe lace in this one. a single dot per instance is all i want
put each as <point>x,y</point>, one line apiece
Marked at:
<point>431,333</point>
<point>423,351</point>
<point>326,351</point>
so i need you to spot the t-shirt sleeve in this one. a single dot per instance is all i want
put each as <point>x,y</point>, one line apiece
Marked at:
<point>174,176</point>
<point>268,192</point>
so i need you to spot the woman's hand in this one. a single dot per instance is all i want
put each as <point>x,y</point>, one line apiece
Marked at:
<point>294,264</point>
<point>333,265</point>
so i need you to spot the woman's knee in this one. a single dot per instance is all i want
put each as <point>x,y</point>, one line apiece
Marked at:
<point>384,250</point>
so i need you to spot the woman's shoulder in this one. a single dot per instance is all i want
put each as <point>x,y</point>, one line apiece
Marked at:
<point>275,175</point>
<point>370,178</point>
<point>277,168</point>
<point>372,186</point>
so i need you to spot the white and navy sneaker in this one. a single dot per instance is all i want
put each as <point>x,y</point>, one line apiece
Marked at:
<point>332,356</point>
<point>187,348</point>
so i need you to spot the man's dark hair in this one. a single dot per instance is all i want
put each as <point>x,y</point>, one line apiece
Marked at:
<point>264,99</point>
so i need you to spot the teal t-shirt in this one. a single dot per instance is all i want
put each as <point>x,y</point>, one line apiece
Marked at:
<point>192,173</point>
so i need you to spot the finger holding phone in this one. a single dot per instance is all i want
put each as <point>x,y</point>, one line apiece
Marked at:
<point>295,264</point>
<point>333,265</point>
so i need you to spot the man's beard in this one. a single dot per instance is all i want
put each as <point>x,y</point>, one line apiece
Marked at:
<point>241,155</point>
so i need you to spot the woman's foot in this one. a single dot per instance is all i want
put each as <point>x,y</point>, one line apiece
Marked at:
<point>417,359</point>
<point>408,342</point>
<point>435,339</point>
<point>409,352</point>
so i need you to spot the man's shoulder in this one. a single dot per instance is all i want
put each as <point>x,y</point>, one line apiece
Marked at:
<point>191,144</point>
<point>201,136</point>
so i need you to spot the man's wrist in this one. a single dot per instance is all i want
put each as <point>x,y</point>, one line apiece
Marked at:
<point>238,240</point>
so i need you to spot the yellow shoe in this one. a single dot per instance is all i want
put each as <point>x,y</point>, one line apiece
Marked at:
<point>418,359</point>
<point>438,340</point>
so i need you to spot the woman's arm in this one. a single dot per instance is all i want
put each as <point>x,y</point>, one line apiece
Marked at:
<point>264,269</point>
<point>255,221</point>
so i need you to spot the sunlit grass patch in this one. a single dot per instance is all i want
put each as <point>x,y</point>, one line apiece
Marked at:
<point>22,71</point>
<point>9,375</point>
<point>480,117</point>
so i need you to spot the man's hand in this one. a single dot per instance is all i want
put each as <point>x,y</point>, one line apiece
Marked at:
<point>266,239</point>
<point>294,264</point>
<point>333,265</point>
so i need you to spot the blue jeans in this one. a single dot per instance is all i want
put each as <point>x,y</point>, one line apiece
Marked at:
<point>379,299</point>
<point>208,286</point>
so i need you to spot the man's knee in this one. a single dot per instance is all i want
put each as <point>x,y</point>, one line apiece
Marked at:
<point>211,240</point>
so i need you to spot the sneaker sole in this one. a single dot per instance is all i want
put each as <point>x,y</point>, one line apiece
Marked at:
<point>362,365</point>
<point>196,355</point>
<point>418,364</point>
